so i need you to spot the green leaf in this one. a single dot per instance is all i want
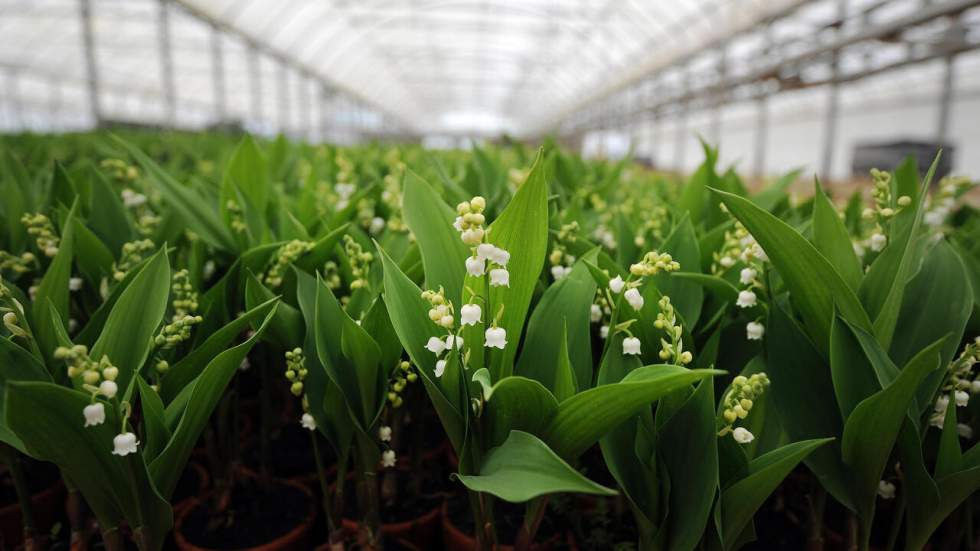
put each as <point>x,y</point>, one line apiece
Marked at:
<point>16,364</point>
<point>93,258</point>
<point>112,223</point>
<point>128,333</point>
<point>195,210</point>
<point>685,295</point>
<point>770,197</point>
<point>854,377</point>
<point>884,285</point>
<point>363,361</point>
<point>741,500</point>
<point>688,446</point>
<point>872,428</point>
<point>522,230</point>
<point>814,285</point>
<point>184,371</point>
<point>323,248</point>
<point>803,394</point>
<point>523,468</point>
<point>408,312</point>
<point>516,403</point>
<point>49,420</point>
<point>830,237</point>
<point>247,171</point>
<point>155,430</point>
<point>564,306</point>
<point>431,220</point>
<point>286,328</point>
<point>585,417</point>
<point>566,384</point>
<point>54,290</point>
<point>204,394</point>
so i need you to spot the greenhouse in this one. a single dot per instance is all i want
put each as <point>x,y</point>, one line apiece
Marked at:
<point>699,275</point>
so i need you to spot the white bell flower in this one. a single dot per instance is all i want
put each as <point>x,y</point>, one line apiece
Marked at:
<point>604,332</point>
<point>440,368</point>
<point>470,314</point>
<point>595,313</point>
<point>496,337</point>
<point>616,284</point>
<point>942,403</point>
<point>74,283</point>
<point>388,459</point>
<point>485,251</point>
<point>877,242</point>
<point>559,272</point>
<point>886,490</point>
<point>377,225</point>
<point>108,389</point>
<point>499,277</point>
<point>747,275</point>
<point>964,430</point>
<point>435,345</point>
<point>962,398</point>
<point>308,422</point>
<point>458,223</point>
<point>631,346</point>
<point>94,414</point>
<point>634,297</point>
<point>124,444</point>
<point>742,435</point>
<point>384,433</point>
<point>746,299</point>
<point>754,331</point>
<point>500,257</point>
<point>975,386</point>
<point>453,339</point>
<point>475,266</point>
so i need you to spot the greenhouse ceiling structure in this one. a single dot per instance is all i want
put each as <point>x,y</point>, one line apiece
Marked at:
<point>593,72</point>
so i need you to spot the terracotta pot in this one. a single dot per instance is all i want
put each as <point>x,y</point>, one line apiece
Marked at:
<point>296,539</point>
<point>421,531</point>
<point>47,505</point>
<point>203,483</point>
<point>455,539</point>
<point>390,545</point>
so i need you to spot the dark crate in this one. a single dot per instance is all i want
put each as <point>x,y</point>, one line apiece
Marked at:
<point>888,155</point>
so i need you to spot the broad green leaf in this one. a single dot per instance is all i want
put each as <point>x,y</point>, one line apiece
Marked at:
<point>566,383</point>
<point>110,222</point>
<point>564,306</point>
<point>364,360</point>
<point>190,366</point>
<point>522,230</point>
<point>127,336</point>
<point>323,248</point>
<point>814,285</point>
<point>48,418</point>
<point>741,500</point>
<point>155,430</point>
<point>770,197</point>
<point>286,329</point>
<point>516,403</point>
<point>830,237</point>
<point>585,417</point>
<point>803,393</point>
<point>872,428</point>
<point>523,468</point>
<point>688,446</point>
<point>954,489</point>
<point>685,295</point>
<point>884,285</point>
<point>431,221</point>
<point>194,209</point>
<point>853,375</point>
<point>93,258</point>
<point>16,364</point>
<point>247,171</point>
<point>204,394</point>
<point>408,312</point>
<point>54,290</point>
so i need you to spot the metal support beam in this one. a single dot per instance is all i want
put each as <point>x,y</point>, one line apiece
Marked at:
<point>945,101</point>
<point>218,74</point>
<point>324,112</point>
<point>306,107</point>
<point>761,134</point>
<point>284,122</point>
<point>255,81</point>
<point>719,95</point>
<point>680,149</point>
<point>167,64</point>
<point>91,63</point>
<point>833,104</point>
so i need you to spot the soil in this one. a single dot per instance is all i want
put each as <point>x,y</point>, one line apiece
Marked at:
<point>405,505</point>
<point>255,516</point>
<point>188,486</point>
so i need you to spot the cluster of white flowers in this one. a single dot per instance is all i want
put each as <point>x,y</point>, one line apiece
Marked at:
<point>671,348</point>
<point>41,229</point>
<point>941,204</point>
<point>738,402</point>
<point>561,260</point>
<point>132,199</point>
<point>469,220</point>
<point>960,381</point>
<point>739,245</point>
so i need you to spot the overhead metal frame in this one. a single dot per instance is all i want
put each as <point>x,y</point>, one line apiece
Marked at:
<point>783,65</point>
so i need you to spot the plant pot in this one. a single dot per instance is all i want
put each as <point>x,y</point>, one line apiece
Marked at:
<point>191,526</point>
<point>421,531</point>
<point>47,505</point>
<point>455,539</point>
<point>191,487</point>
<point>390,545</point>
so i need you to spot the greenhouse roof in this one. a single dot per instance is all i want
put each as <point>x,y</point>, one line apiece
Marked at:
<point>457,66</point>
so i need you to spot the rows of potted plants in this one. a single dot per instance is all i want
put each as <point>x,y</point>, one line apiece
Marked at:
<point>213,343</point>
